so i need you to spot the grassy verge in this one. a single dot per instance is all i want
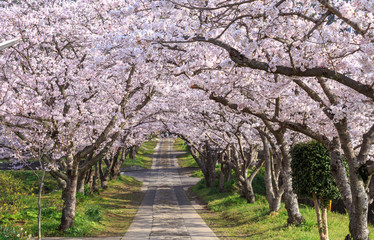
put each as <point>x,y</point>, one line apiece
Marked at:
<point>108,214</point>
<point>231,217</point>
<point>184,159</point>
<point>143,157</point>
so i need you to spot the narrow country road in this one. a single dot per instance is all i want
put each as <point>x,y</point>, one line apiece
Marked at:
<point>166,212</point>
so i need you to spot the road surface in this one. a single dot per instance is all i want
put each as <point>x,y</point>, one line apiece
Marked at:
<point>166,212</point>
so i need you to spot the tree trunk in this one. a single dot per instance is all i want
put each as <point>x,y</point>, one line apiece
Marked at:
<point>222,179</point>
<point>248,192</point>
<point>321,230</point>
<point>210,163</point>
<point>206,163</point>
<point>116,167</point>
<point>358,226</point>
<point>103,177</point>
<point>274,192</point>
<point>90,179</point>
<point>40,205</point>
<point>209,178</point>
<point>209,172</point>
<point>80,184</point>
<point>95,187</point>
<point>244,184</point>
<point>339,173</point>
<point>275,204</point>
<point>88,176</point>
<point>268,180</point>
<point>68,212</point>
<point>206,159</point>
<point>229,173</point>
<point>241,188</point>
<point>132,153</point>
<point>212,176</point>
<point>324,222</point>
<point>290,198</point>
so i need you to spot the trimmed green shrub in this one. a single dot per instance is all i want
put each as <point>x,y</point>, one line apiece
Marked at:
<point>311,172</point>
<point>311,178</point>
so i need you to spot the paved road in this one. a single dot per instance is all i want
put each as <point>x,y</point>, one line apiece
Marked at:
<point>166,212</point>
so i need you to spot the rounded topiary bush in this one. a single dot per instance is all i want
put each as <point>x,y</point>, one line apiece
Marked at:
<point>311,171</point>
<point>311,178</point>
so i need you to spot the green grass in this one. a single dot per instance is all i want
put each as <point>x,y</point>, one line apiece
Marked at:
<point>184,159</point>
<point>143,157</point>
<point>30,181</point>
<point>107,214</point>
<point>231,217</point>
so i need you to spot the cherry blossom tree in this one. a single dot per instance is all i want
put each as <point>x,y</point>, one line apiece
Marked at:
<point>323,47</point>
<point>69,80</point>
<point>86,72</point>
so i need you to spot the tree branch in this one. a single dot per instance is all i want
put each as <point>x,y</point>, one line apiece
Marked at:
<point>328,4</point>
<point>243,61</point>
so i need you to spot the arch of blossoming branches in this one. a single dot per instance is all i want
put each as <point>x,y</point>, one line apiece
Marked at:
<point>88,78</point>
